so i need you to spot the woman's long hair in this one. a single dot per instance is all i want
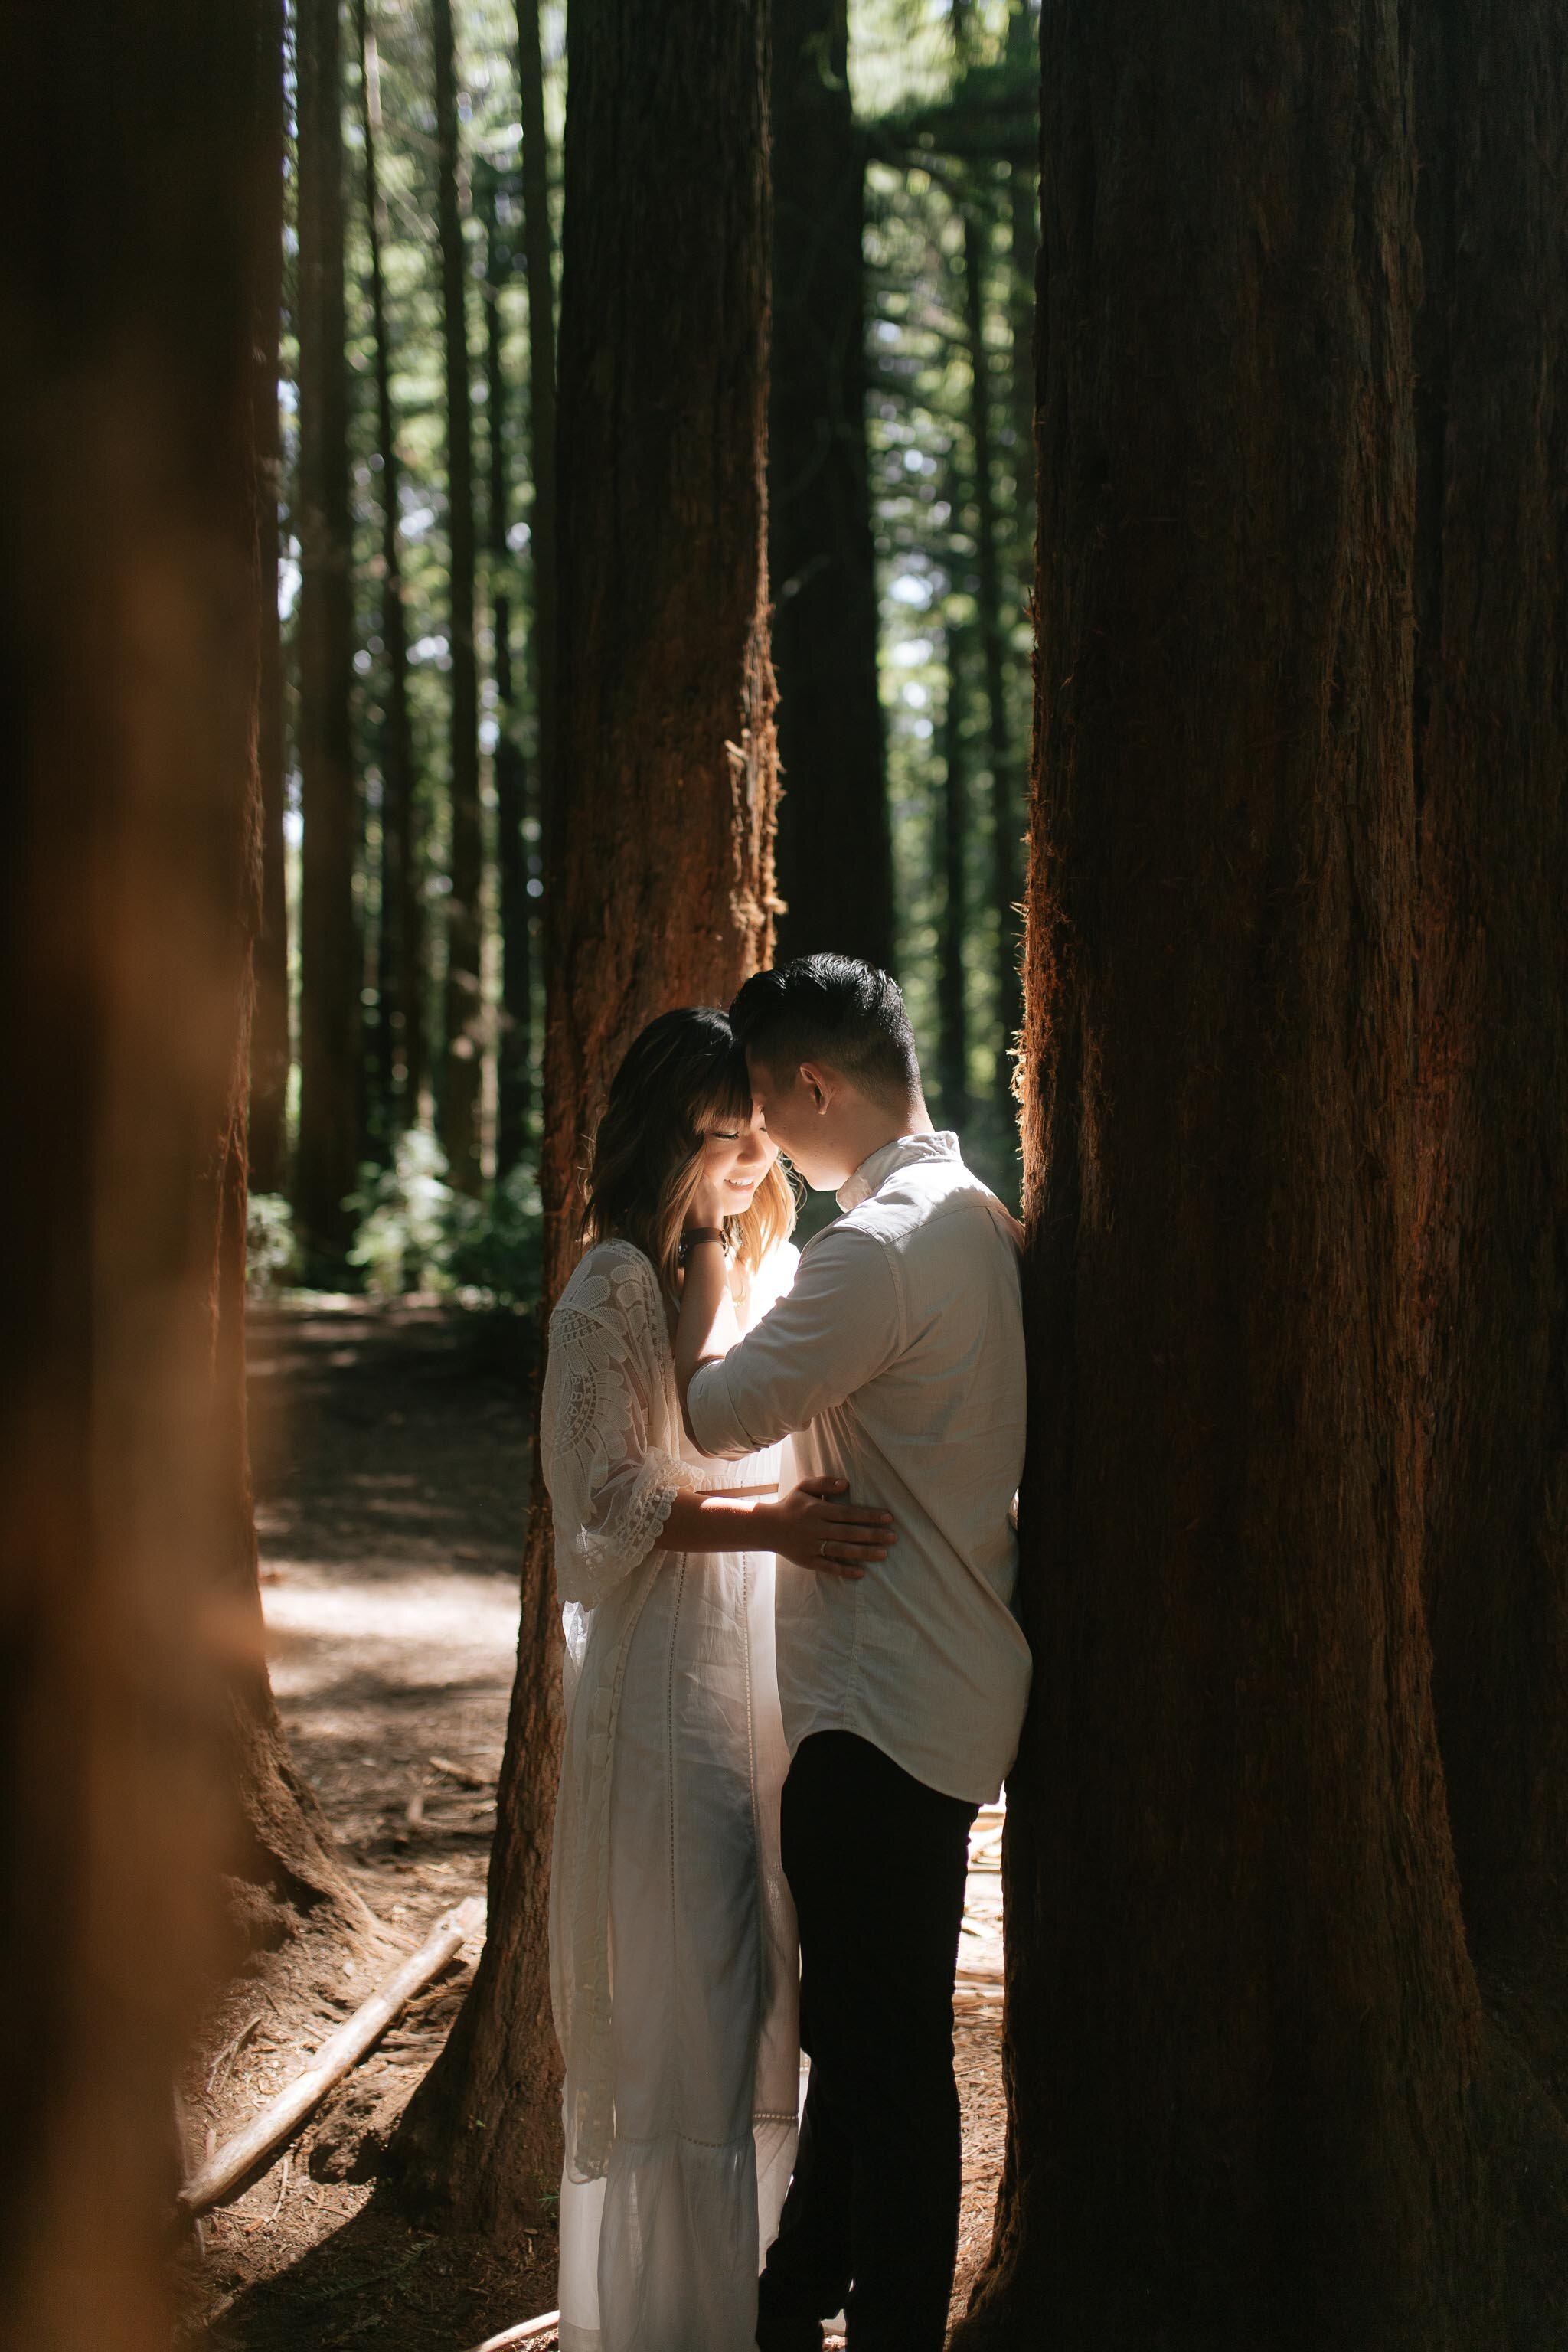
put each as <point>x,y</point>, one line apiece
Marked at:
<point>684,1075</point>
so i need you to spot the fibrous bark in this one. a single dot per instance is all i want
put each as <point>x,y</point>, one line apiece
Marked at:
<point>330,974</point>
<point>137,181</point>
<point>463,1044</point>
<point>1492,987</point>
<point>834,856</point>
<point>1243,2033</point>
<point>659,830</point>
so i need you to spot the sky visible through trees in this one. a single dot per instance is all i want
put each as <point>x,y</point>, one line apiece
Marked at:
<point>944,103</point>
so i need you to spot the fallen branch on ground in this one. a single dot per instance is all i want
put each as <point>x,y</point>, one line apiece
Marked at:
<point>525,2332</point>
<point>285,2114</point>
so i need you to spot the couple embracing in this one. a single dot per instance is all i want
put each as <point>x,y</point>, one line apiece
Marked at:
<point>781,1484</point>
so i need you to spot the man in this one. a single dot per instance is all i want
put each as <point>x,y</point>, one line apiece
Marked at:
<point>897,1362</point>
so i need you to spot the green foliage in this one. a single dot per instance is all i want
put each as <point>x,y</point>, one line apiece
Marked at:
<point>271,1250</point>
<point>418,1233</point>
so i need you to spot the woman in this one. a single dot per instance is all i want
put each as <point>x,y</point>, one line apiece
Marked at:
<point>673,1971</point>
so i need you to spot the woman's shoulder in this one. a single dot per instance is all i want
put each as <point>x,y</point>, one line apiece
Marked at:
<point>609,1272</point>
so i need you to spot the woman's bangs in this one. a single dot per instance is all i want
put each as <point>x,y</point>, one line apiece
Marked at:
<point>726,1099</point>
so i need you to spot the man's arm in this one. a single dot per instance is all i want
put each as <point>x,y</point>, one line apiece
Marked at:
<point>836,1328</point>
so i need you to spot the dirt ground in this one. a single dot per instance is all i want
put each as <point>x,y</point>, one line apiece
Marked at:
<point>392,1475</point>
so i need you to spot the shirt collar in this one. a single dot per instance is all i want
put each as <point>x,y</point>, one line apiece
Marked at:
<point>874,1172</point>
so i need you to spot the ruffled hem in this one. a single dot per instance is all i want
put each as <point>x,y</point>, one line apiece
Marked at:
<point>673,2239</point>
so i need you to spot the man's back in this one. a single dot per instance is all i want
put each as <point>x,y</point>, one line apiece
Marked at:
<point>896,1362</point>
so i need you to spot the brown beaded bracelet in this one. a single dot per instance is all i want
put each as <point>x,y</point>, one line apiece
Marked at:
<point>703,1233</point>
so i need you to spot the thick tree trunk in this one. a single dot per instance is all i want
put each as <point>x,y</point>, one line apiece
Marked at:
<point>1492,756</point>
<point>538,250</point>
<point>952,860</point>
<point>1242,2029</point>
<point>463,1048</point>
<point>401,958</point>
<point>835,854</point>
<point>1004,819</point>
<point>327,1159</point>
<point>514,1089</point>
<point>658,835</point>
<point>269,1038</point>
<point>137,186</point>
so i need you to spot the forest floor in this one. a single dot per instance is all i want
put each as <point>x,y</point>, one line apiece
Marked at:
<point>392,1468</point>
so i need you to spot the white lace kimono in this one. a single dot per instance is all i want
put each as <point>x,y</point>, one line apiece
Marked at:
<point>673,1960</point>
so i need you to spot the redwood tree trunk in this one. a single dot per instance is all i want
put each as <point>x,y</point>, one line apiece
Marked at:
<point>658,835</point>
<point>138,186</point>
<point>402,945</point>
<point>1242,2028</point>
<point>463,1045</point>
<point>331,966</point>
<point>1492,705</point>
<point>834,856</point>
<point>269,1038</point>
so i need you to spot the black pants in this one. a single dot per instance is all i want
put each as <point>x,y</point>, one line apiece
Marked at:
<point>875,1861</point>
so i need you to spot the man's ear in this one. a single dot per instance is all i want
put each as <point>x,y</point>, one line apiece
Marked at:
<point>818,1084</point>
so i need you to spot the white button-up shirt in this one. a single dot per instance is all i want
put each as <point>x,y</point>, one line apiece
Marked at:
<point>896,1361</point>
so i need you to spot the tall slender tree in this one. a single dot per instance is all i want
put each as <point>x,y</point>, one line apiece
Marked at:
<point>1023,196</point>
<point>835,853</point>
<point>139,189</point>
<point>992,635</point>
<point>327,1160</point>
<point>463,1046</point>
<point>401,955</point>
<point>269,1037</point>
<point>1492,985</point>
<point>1243,2031</point>
<point>659,828</point>
<point>514,1051</point>
<point>538,243</point>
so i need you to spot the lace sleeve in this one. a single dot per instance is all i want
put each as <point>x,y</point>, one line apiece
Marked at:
<point>611,1487</point>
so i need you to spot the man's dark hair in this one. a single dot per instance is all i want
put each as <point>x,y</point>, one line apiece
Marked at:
<point>832,1009</point>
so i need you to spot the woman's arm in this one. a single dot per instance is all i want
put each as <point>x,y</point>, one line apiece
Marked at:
<point>705,1328</point>
<point>811,1526</point>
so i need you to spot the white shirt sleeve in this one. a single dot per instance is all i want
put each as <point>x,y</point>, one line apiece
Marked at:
<point>839,1324</point>
<point>610,1487</point>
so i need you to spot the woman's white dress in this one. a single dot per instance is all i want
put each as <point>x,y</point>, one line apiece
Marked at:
<point>673,1957</point>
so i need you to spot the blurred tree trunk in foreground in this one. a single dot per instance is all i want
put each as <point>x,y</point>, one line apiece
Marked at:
<point>326,1164</point>
<point>660,833</point>
<point>835,853</point>
<point>138,188</point>
<point>269,1042</point>
<point>401,956</point>
<point>1492,988</point>
<point>1244,2045</point>
<point>462,1063</point>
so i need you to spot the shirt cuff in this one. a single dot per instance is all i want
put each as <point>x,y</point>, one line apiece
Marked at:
<point>714,1421</point>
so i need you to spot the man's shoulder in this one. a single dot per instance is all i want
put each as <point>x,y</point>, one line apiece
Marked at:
<point>931,1203</point>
